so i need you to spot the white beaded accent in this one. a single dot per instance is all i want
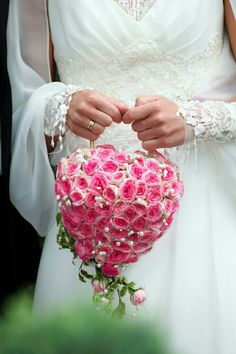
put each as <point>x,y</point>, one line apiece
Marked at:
<point>56,109</point>
<point>137,9</point>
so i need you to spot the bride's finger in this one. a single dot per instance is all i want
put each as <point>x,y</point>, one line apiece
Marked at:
<point>83,132</point>
<point>140,112</point>
<point>146,99</point>
<point>108,108</point>
<point>80,121</point>
<point>123,108</point>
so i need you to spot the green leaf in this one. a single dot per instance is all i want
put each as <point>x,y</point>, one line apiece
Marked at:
<point>86,274</point>
<point>58,218</point>
<point>82,278</point>
<point>123,291</point>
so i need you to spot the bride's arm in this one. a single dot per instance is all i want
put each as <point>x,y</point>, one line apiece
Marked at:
<point>230,20</point>
<point>161,123</point>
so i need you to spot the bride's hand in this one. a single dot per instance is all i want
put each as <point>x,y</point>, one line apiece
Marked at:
<point>154,119</point>
<point>90,113</point>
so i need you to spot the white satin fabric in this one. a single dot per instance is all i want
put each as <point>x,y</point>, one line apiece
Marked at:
<point>177,50</point>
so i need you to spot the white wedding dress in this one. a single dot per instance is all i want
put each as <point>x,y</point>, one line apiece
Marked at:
<point>174,48</point>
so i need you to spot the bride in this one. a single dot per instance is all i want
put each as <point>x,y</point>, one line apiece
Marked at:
<point>151,74</point>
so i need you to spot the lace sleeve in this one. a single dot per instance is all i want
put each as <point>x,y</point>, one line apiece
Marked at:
<point>209,121</point>
<point>56,109</point>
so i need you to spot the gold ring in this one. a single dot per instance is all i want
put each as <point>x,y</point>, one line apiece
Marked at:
<point>90,125</point>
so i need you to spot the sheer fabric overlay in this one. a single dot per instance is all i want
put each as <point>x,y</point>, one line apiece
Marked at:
<point>192,282</point>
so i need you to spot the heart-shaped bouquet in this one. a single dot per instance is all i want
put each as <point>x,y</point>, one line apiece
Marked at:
<point>113,208</point>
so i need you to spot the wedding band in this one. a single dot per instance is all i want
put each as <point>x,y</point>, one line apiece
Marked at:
<point>90,125</point>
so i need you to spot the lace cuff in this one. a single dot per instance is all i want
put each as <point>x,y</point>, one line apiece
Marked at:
<point>56,109</point>
<point>209,121</point>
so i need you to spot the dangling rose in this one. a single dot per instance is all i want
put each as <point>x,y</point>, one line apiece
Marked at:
<point>138,297</point>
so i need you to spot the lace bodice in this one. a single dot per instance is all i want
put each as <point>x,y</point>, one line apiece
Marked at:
<point>136,8</point>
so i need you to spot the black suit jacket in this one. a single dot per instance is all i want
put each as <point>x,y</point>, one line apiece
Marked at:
<point>19,244</point>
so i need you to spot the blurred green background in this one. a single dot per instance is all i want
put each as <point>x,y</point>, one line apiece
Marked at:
<point>72,331</point>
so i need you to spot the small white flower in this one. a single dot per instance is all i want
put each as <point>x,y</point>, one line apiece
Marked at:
<point>102,253</point>
<point>118,244</point>
<point>122,239</point>
<point>106,229</point>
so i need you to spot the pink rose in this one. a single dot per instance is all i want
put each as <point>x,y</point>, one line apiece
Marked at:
<point>102,252</point>
<point>81,182</point>
<point>136,170</point>
<point>120,207</point>
<point>121,246</point>
<point>105,151</point>
<point>98,286</point>
<point>117,234</point>
<point>157,225</point>
<point>84,249</point>
<point>152,164</point>
<point>154,196</point>
<point>133,258</point>
<point>117,257</point>
<point>151,178</point>
<point>69,222</point>
<point>148,237</point>
<point>120,157</point>
<point>143,247</point>
<point>102,223</point>
<point>175,205</point>
<point>130,213</point>
<point>127,190</point>
<point>141,189</point>
<point>100,236</point>
<point>103,208</point>
<point>140,208</point>
<point>91,216</point>
<point>155,212</point>
<point>99,182</point>
<point>110,271</point>
<point>139,223</point>
<point>176,189</point>
<point>77,198</point>
<point>109,194</point>
<point>76,212</point>
<point>72,168</point>
<point>87,231</point>
<point>110,166</point>
<point>91,166</point>
<point>138,297</point>
<point>90,199</point>
<point>167,173</point>
<point>62,188</point>
<point>118,176</point>
<point>120,223</point>
<point>168,204</point>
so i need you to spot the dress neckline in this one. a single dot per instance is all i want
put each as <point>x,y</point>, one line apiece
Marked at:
<point>127,14</point>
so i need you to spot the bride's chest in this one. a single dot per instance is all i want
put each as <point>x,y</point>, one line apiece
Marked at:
<point>106,25</point>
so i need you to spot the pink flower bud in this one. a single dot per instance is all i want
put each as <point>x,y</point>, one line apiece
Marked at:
<point>98,287</point>
<point>138,297</point>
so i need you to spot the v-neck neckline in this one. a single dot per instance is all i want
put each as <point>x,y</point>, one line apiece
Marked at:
<point>126,14</point>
